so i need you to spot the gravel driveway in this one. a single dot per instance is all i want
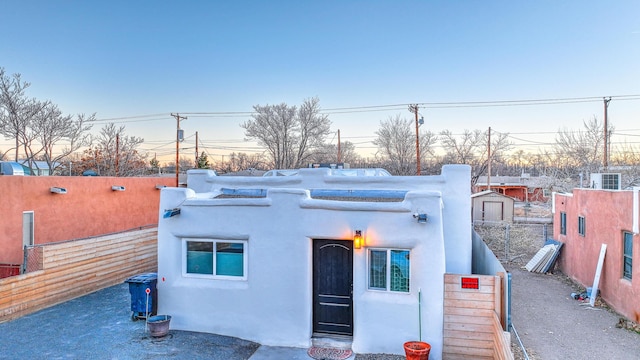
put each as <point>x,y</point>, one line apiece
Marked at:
<point>552,325</point>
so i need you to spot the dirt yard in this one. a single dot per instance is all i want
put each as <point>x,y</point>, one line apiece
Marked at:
<point>553,325</point>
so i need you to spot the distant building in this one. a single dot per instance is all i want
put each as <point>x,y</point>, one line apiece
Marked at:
<point>37,168</point>
<point>491,206</point>
<point>11,168</point>
<point>523,188</point>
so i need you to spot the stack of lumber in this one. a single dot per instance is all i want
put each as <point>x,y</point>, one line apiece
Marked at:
<point>544,259</point>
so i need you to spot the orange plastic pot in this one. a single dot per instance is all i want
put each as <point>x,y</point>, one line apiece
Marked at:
<point>417,350</point>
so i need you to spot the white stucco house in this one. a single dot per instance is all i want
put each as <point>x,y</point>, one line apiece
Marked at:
<point>281,260</point>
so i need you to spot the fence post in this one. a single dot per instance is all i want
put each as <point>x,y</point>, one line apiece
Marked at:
<point>507,239</point>
<point>24,261</point>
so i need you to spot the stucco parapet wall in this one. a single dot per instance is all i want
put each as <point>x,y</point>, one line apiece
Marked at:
<point>206,181</point>
<point>307,202</point>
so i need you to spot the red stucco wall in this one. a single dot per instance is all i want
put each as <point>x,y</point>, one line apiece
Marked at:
<point>88,208</point>
<point>607,214</point>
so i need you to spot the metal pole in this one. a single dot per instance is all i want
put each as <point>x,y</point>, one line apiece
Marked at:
<point>420,313</point>
<point>25,259</point>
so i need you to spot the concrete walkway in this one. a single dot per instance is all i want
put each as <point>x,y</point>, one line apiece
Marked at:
<point>99,326</point>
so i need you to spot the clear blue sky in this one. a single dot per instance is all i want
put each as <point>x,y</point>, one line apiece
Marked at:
<point>122,59</point>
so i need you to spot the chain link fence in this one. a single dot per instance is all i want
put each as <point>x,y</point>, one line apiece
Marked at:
<point>32,258</point>
<point>514,242</point>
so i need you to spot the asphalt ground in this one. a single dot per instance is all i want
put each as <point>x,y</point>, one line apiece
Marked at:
<point>99,326</point>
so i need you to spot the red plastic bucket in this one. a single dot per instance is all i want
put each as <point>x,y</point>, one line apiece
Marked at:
<point>417,350</point>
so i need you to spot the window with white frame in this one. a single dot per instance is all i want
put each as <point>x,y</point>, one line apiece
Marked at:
<point>581,226</point>
<point>27,228</point>
<point>389,270</point>
<point>215,258</point>
<point>627,255</point>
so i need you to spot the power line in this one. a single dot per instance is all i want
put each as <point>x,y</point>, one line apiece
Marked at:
<point>378,108</point>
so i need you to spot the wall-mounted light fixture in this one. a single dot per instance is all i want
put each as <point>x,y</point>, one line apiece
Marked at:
<point>422,218</point>
<point>117,188</point>
<point>58,190</point>
<point>171,212</point>
<point>160,187</point>
<point>358,240</point>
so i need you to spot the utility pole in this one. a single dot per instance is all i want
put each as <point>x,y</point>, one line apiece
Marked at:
<point>489,160</point>
<point>178,139</point>
<point>197,164</point>
<point>414,109</point>
<point>339,153</point>
<point>605,161</point>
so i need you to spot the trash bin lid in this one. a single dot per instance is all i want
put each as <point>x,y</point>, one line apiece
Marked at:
<point>143,278</point>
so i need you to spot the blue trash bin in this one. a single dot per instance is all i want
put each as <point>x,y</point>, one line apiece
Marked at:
<point>143,304</point>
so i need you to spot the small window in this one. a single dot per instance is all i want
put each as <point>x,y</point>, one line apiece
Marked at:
<point>389,270</point>
<point>27,229</point>
<point>215,258</point>
<point>581,225</point>
<point>627,256</point>
<point>563,223</point>
<point>546,193</point>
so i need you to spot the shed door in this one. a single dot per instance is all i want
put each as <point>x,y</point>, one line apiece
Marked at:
<point>492,211</point>
<point>332,286</point>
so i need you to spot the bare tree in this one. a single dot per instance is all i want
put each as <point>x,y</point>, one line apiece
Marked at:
<point>471,148</point>
<point>500,144</point>
<point>626,161</point>
<point>581,151</point>
<point>464,149</point>
<point>52,128</point>
<point>289,134</point>
<point>397,147</point>
<point>186,163</point>
<point>314,127</point>
<point>328,153</point>
<point>38,126</point>
<point>242,161</point>
<point>16,110</point>
<point>113,153</point>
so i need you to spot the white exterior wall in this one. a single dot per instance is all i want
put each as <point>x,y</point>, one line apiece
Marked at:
<point>273,306</point>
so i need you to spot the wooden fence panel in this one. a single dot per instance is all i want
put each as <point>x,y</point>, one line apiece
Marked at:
<point>76,268</point>
<point>472,327</point>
